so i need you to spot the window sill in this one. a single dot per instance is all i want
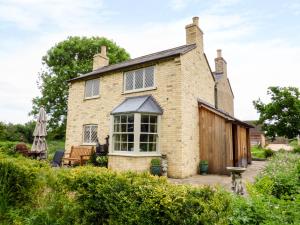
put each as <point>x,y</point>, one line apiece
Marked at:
<point>138,90</point>
<point>136,154</point>
<point>89,98</point>
<point>88,144</point>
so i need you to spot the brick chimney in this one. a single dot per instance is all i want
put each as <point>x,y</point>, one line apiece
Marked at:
<point>194,34</point>
<point>220,63</point>
<point>100,59</point>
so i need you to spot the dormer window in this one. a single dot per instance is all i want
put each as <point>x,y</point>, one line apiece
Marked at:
<point>139,80</point>
<point>91,88</point>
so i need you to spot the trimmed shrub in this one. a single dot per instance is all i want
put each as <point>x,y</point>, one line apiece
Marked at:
<point>19,181</point>
<point>106,197</point>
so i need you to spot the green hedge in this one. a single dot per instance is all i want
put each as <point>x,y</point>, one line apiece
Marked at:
<point>128,198</point>
<point>33,193</point>
<point>19,181</point>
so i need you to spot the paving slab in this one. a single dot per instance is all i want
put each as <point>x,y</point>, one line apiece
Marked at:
<point>222,180</point>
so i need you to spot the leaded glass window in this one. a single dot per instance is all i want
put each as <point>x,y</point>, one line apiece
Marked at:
<point>139,79</point>
<point>90,134</point>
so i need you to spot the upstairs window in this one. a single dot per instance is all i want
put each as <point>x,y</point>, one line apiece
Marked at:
<point>139,79</point>
<point>92,88</point>
<point>90,134</point>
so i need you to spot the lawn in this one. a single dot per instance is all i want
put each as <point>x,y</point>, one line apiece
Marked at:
<point>53,146</point>
<point>258,152</point>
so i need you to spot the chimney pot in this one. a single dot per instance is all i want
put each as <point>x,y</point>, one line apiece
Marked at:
<point>196,20</point>
<point>219,53</point>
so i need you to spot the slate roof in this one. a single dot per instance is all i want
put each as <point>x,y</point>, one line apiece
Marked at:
<point>224,114</point>
<point>139,104</point>
<point>143,59</point>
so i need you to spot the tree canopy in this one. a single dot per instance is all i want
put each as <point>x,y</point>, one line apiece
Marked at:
<point>280,117</point>
<point>66,60</point>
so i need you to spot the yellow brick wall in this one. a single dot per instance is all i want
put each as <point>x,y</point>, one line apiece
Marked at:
<point>225,96</point>
<point>97,111</point>
<point>197,83</point>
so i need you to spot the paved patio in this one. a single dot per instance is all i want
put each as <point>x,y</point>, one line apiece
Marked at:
<point>223,180</point>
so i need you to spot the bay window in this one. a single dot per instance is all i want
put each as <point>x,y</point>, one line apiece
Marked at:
<point>135,133</point>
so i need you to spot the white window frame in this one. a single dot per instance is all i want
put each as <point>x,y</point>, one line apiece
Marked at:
<point>93,96</point>
<point>139,89</point>
<point>137,132</point>
<point>83,133</point>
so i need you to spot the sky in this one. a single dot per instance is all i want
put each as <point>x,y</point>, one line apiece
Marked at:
<point>259,40</point>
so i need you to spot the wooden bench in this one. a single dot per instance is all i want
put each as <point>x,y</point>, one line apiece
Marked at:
<point>79,155</point>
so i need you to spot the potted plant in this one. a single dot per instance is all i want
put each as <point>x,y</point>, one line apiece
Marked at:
<point>203,167</point>
<point>155,168</point>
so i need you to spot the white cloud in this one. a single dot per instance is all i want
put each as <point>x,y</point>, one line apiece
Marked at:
<point>252,66</point>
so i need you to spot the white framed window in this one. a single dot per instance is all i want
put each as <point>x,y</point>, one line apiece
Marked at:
<point>92,88</point>
<point>140,79</point>
<point>148,134</point>
<point>123,134</point>
<point>90,134</point>
<point>135,133</point>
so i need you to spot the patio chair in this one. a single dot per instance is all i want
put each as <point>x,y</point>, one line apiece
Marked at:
<point>57,158</point>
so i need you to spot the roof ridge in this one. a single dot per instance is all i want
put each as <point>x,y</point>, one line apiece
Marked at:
<point>143,56</point>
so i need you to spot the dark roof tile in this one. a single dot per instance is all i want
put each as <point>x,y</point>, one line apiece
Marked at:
<point>143,59</point>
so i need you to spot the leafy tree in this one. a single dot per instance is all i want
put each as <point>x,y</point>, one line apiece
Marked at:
<point>280,117</point>
<point>14,132</point>
<point>66,60</point>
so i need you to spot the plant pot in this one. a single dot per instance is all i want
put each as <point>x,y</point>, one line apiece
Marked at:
<point>155,170</point>
<point>203,167</point>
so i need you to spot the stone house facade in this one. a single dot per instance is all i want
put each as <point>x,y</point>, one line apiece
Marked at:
<point>148,106</point>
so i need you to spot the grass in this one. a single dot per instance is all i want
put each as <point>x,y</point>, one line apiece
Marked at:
<point>258,152</point>
<point>53,146</point>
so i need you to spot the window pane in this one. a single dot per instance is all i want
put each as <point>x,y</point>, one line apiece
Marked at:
<point>153,128</point>
<point>86,135</point>
<point>152,147</point>
<point>123,127</point>
<point>139,79</point>
<point>129,80</point>
<point>93,134</point>
<point>123,119</point>
<point>117,128</point>
<point>149,77</point>
<point>130,127</point>
<point>152,137</point>
<point>143,147</point>
<point>117,137</point>
<point>130,118</point>
<point>124,138</point>
<point>144,138</point>
<point>124,146</point>
<point>145,119</point>
<point>130,146</point>
<point>144,127</point>
<point>117,146</point>
<point>130,137</point>
<point>96,83</point>
<point>88,88</point>
<point>117,119</point>
<point>153,119</point>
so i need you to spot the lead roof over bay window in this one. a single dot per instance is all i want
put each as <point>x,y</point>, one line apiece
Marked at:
<point>139,104</point>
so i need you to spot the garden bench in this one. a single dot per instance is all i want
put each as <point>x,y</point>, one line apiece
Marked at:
<point>79,155</point>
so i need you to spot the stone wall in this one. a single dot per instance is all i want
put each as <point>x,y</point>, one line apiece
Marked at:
<point>168,81</point>
<point>197,83</point>
<point>225,96</point>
